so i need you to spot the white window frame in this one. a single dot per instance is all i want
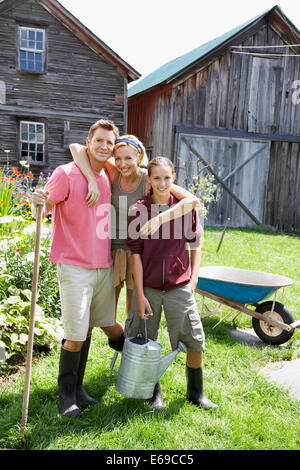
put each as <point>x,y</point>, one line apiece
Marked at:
<point>33,50</point>
<point>32,142</point>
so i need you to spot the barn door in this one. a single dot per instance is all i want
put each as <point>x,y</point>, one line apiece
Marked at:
<point>265,86</point>
<point>242,165</point>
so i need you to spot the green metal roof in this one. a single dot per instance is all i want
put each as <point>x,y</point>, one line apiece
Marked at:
<point>171,68</point>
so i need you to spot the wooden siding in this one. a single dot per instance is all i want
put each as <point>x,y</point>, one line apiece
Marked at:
<point>150,118</point>
<point>235,94</point>
<point>243,92</point>
<point>226,157</point>
<point>234,91</point>
<point>282,203</point>
<point>78,86</point>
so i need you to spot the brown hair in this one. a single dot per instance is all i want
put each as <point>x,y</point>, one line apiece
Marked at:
<point>105,124</point>
<point>160,161</point>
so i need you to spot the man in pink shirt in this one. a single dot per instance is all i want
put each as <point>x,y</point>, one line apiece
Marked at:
<point>80,247</point>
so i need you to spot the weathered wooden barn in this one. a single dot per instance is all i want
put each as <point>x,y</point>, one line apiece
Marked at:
<point>233,106</point>
<point>56,79</point>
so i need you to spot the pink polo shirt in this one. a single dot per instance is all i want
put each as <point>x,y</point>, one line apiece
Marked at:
<point>80,234</point>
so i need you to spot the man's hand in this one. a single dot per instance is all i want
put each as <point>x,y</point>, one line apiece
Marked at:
<point>143,307</point>
<point>40,197</point>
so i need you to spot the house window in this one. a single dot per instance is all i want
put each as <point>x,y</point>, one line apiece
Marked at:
<point>31,49</point>
<point>32,141</point>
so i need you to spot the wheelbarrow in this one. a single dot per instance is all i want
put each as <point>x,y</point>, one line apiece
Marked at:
<point>240,289</point>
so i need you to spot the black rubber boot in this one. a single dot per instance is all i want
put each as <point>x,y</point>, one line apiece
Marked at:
<point>67,382</point>
<point>81,394</point>
<point>195,393</point>
<point>118,344</point>
<point>157,402</point>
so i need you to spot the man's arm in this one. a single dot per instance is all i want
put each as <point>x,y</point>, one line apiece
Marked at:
<point>142,302</point>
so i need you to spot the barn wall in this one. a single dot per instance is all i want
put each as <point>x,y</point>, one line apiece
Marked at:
<point>234,91</point>
<point>282,204</point>
<point>150,118</point>
<point>242,92</point>
<point>241,164</point>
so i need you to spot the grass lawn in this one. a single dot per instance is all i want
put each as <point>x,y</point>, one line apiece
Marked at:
<point>252,414</point>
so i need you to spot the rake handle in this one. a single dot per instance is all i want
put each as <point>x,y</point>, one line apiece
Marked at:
<point>32,320</point>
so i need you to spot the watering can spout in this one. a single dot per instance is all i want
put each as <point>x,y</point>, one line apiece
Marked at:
<point>165,361</point>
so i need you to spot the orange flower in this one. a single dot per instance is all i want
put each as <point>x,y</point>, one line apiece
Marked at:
<point>16,171</point>
<point>25,202</point>
<point>12,179</point>
<point>30,175</point>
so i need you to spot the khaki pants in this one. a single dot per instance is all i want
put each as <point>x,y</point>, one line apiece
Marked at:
<point>180,309</point>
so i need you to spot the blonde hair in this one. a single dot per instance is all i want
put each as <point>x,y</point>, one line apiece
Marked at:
<point>160,161</point>
<point>143,159</point>
<point>105,124</point>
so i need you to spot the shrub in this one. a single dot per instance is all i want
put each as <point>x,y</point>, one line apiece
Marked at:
<point>17,245</point>
<point>14,324</point>
<point>16,260</point>
<point>15,191</point>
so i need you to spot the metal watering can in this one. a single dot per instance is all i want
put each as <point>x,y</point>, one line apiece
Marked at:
<point>141,366</point>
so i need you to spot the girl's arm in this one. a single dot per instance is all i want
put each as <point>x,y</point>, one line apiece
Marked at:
<point>80,157</point>
<point>144,309</point>
<point>178,210</point>
<point>195,265</point>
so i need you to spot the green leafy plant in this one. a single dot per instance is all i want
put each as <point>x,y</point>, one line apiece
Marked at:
<point>16,260</point>
<point>14,324</point>
<point>15,191</point>
<point>204,188</point>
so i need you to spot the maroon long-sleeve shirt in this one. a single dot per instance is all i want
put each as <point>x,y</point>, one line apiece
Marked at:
<point>165,255</point>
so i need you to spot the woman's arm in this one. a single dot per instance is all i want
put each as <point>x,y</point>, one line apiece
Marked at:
<point>181,193</point>
<point>80,157</point>
<point>111,168</point>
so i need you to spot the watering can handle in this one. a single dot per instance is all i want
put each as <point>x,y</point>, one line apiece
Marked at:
<point>145,320</point>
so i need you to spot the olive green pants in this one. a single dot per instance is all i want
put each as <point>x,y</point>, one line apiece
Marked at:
<point>181,313</point>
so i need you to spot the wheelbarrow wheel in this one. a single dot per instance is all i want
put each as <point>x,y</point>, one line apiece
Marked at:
<point>273,334</point>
